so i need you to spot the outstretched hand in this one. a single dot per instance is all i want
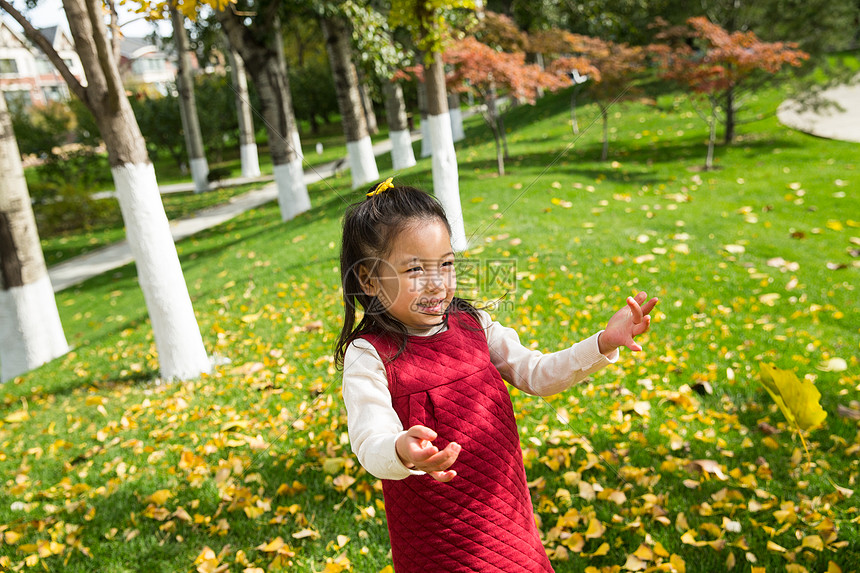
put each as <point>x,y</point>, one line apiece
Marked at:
<point>630,321</point>
<point>416,451</point>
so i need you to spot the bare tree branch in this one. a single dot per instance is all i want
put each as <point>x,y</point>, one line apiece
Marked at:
<point>115,32</point>
<point>104,55</point>
<point>42,42</point>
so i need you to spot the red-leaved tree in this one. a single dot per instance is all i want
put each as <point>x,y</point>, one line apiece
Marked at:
<point>612,69</point>
<point>718,66</point>
<point>480,69</point>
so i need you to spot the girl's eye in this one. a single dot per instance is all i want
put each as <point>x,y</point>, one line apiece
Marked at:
<point>414,270</point>
<point>449,264</point>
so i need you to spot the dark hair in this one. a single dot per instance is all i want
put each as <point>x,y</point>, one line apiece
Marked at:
<point>369,229</point>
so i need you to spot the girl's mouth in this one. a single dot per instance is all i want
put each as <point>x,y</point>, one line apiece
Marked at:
<point>432,307</point>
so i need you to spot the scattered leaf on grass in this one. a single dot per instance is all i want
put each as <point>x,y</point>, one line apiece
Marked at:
<point>707,467</point>
<point>798,400</point>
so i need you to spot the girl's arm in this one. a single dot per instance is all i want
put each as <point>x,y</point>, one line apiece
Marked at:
<point>372,422</point>
<point>375,430</point>
<point>542,374</point>
<point>546,374</point>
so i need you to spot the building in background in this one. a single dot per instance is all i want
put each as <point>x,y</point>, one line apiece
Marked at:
<point>27,77</point>
<point>143,64</point>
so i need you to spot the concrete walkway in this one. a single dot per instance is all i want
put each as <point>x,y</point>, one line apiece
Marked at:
<point>78,269</point>
<point>831,124</point>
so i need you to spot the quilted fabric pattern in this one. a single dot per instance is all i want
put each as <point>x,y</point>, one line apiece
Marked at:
<point>482,520</point>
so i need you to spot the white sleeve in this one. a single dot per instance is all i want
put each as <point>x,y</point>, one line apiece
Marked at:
<point>542,374</point>
<point>372,423</point>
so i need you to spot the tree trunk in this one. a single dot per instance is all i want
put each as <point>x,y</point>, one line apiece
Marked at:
<point>30,329</point>
<point>273,87</point>
<point>604,114</point>
<point>359,148</point>
<point>426,142</point>
<point>540,63</point>
<point>402,155</point>
<point>446,181</point>
<point>247,139</point>
<point>188,105</point>
<point>278,44</point>
<point>730,116</point>
<point>366,103</point>
<point>491,116</point>
<point>503,132</point>
<point>456,117</point>
<point>180,347</point>
<point>712,135</point>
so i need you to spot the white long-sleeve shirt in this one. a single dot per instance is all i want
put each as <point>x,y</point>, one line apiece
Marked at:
<point>374,426</point>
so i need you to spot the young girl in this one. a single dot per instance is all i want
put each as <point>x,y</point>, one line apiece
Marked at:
<point>428,411</point>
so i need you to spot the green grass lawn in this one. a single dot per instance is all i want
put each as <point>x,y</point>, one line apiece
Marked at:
<point>107,469</point>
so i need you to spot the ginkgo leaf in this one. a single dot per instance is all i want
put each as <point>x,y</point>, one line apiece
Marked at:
<point>634,563</point>
<point>798,400</point>
<point>272,546</point>
<point>306,532</point>
<point>602,550</point>
<point>813,542</point>
<point>160,497</point>
<point>595,529</point>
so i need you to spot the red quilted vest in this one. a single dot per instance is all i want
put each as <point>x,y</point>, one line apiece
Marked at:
<point>482,520</point>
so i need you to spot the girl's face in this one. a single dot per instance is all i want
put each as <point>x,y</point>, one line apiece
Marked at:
<point>417,280</point>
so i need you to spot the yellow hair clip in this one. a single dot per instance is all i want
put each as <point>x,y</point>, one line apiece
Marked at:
<point>385,185</point>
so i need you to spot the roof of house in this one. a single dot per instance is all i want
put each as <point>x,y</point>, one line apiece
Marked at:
<point>50,33</point>
<point>133,48</point>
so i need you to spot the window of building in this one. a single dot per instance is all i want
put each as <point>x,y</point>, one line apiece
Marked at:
<point>17,100</point>
<point>8,66</point>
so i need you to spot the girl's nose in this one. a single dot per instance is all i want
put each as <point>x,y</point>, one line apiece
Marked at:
<point>434,282</point>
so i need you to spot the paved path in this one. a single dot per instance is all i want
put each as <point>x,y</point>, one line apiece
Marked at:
<point>78,269</point>
<point>832,124</point>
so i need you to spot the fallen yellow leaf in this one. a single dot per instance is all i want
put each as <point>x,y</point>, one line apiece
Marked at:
<point>678,563</point>
<point>160,497</point>
<point>272,546</point>
<point>771,546</point>
<point>798,400</point>
<point>602,550</point>
<point>306,533</point>
<point>595,529</point>
<point>813,542</point>
<point>633,563</point>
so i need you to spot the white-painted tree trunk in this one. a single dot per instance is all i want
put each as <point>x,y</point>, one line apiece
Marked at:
<point>426,137</point>
<point>30,330</point>
<point>181,353</point>
<point>457,131</point>
<point>200,174</point>
<point>297,144</point>
<point>292,192</point>
<point>362,161</point>
<point>247,142</point>
<point>188,105</point>
<point>250,160</point>
<point>259,44</point>
<point>446,184</point>
<point>402,154</point>
<point>426,143</point>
